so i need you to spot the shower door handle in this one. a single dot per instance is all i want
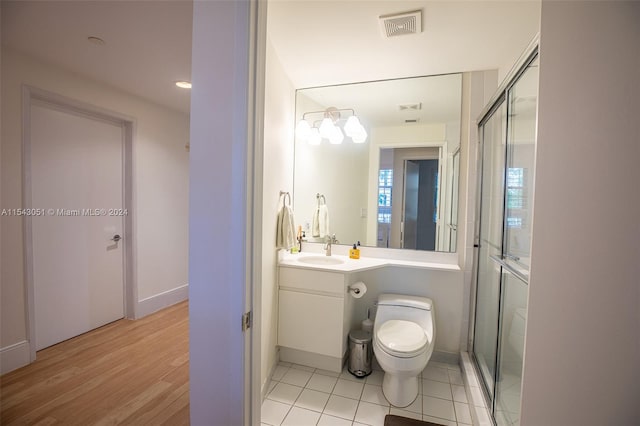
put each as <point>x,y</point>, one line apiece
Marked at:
<point>510,269</point>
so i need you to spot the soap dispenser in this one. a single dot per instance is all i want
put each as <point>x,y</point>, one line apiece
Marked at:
<point>354,253</point>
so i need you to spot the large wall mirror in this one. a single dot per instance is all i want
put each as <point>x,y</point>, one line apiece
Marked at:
<point>387,177</point>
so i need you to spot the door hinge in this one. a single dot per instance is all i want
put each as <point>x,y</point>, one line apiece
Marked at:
<point>247,320</point>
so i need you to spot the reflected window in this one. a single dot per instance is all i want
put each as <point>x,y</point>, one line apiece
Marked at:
<point>516,200</point>
<point>385,183</point>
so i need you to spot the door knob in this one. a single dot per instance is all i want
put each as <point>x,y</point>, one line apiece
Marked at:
<point>116,238</point>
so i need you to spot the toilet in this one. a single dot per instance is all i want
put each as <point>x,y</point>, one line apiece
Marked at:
<point>404,333</point>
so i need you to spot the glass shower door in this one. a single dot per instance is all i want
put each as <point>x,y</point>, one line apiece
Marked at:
<point>510,357</point>
<point>517,242</point>
<point>508,133</point>
<point>490,244</point>
<point>520,161</point>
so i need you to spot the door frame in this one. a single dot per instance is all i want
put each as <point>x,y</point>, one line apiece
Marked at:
<point>30,94</point>
<point>255,159</point>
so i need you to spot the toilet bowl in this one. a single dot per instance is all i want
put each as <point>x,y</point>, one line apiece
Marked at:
<point>404,333</point>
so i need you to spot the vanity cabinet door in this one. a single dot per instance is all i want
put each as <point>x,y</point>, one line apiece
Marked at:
<point>312,281</point>
<point>311,322</point>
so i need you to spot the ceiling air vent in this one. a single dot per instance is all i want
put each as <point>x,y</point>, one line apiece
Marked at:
<point>410,107</point>
<point>412,120</point>
<point>401,24</point>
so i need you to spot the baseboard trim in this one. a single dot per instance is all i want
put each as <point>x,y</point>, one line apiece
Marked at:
<point>265,386</point>
<point>311,359</point>
<point>162,300</point>
<point>14,356</point>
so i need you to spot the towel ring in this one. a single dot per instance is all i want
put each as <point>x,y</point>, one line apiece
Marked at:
<point>286,195</point>
<point>320,196</point>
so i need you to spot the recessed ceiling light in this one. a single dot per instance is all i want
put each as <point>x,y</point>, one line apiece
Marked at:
<point>96,40</point>
<point>183,84</point>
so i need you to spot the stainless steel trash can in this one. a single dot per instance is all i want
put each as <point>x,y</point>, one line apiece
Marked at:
<point>360,353</point>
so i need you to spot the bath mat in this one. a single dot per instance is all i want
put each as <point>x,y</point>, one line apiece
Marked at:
<point>391,420</point>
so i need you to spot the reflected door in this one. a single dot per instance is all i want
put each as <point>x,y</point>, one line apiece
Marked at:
<point>410,213</point>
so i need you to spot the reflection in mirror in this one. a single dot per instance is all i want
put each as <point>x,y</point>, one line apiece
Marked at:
<point>394,181</point>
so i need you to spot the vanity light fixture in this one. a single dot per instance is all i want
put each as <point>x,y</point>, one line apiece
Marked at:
<point>314,136</point>
<point>326,128</point>
<point>329,127</point>
<point>183,84</point>
<point>336,137</point>
<point>360,137</point>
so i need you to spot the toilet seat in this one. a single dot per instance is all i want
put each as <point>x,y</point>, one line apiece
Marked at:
<point>400,338</point>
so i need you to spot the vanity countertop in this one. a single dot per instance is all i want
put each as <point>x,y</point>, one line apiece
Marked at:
<point>353,265</point>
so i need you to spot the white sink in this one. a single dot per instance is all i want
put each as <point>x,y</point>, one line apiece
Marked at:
<point>320,260</point>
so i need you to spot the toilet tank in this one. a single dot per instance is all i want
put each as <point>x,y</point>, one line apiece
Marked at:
<point>403,300</point>
<point>409,308</point>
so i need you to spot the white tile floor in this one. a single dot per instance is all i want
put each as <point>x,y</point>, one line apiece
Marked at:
<point>301,396</point>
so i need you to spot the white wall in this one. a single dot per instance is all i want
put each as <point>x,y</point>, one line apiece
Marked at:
<point>533,20</point>
<point>277,176</point>
<point>160,184</point>
<point>583,338</point>
<point>339,172</point>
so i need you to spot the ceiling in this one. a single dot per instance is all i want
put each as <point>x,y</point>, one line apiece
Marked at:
<point>329,42</point>
<point>147,49</point>
<point>148,43</point>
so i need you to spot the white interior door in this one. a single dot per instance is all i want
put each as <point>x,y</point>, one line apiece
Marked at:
<point>76,177</point>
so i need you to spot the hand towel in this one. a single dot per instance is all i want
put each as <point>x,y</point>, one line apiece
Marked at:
<point>285,229</point>
<point>321,221</point>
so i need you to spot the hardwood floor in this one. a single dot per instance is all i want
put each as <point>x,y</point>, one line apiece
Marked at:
<point>127,372</point>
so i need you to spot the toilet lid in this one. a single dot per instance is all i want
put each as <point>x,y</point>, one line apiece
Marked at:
<point>401,338</point>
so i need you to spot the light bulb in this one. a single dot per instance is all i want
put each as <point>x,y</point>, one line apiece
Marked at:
<point>326,128</point>
<point>360,136</point>
<point>352,126</point>
<point>314,137</point>
<point>303,130</point>
<point>336,136</point>
<point>183,84</point>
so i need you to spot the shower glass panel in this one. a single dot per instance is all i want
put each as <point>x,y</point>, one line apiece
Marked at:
<point>514,314</point>
<point>523,98</point>
<point>491,220</point>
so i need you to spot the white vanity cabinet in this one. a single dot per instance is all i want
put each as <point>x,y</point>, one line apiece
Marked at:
<point>314,317</point>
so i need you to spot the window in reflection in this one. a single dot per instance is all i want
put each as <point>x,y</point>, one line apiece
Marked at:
<point>385,186</point>
<point>516,200</point>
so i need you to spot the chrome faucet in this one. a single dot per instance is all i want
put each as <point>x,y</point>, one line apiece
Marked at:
<point>327,246</point>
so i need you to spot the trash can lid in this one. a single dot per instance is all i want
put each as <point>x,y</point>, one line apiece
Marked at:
<point>360,336</point>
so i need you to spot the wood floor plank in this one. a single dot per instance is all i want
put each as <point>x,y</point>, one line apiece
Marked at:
<point>175,414</point>
<point>126,372</point>
<point>118,415</point>
<point>161,407</point>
